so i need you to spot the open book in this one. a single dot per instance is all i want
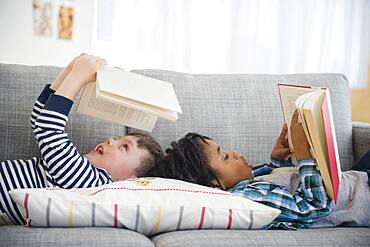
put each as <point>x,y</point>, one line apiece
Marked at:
<point>130,99</point>
<point>314,108</point>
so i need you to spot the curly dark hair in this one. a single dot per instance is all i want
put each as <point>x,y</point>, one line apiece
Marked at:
<point>155,152</point>
<point>185,160</point>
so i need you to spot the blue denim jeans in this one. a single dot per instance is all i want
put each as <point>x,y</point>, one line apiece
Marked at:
<point>363,165</point>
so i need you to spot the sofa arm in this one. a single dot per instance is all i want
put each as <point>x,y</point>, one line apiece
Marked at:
<point>361,139</point>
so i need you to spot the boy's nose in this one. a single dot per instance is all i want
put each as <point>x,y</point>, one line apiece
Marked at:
<point>235,154</point>
<point>110,141</point>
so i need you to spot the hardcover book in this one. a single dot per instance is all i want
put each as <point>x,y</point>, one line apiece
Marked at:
<point>130,99</point>
<point>315,113</point>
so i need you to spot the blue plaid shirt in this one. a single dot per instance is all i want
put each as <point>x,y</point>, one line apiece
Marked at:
<point>306,205</point>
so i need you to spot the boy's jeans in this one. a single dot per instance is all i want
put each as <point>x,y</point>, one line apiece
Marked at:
<point>363,165</point>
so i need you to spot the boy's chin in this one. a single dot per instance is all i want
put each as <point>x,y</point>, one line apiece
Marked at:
<point>90,157</point>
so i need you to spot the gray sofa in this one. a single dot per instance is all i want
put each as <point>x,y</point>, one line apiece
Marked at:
<point>239,111</point>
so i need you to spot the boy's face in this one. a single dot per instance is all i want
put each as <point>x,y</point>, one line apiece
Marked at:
<point>118,156</point>
<point>230,166</point>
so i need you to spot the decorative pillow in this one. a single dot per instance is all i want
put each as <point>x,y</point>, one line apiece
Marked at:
<point>146,205</point>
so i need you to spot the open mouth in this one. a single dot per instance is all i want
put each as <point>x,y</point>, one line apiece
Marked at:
<point>99,149</point>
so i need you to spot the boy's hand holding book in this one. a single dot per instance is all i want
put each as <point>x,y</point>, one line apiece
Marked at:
<point>63,74</point>
<point>281,149</point>
<point>83,71</point>
<point>301,147</point>
<point>85,67</point>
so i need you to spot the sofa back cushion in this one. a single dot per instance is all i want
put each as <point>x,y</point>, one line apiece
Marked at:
<point>243,112</point>
<point>20,85</point>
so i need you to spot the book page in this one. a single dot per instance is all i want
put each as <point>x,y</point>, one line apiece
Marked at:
<point>160,112</point>
<point>102,109</point>
<point>288,96</point>
<point>299,105</point>
<point>138,88</point>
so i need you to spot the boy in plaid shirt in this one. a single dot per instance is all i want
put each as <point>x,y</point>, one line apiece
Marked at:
<point>198,159</point>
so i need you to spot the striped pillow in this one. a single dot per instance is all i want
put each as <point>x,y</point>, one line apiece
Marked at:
<point>146,205</point>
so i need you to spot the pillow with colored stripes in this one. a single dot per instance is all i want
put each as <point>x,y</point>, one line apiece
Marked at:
<point>146,205</point>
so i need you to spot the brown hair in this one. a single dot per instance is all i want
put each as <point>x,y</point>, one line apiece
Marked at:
<point>155,152</point>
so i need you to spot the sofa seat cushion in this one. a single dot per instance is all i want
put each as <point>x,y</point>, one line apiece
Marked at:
<point>43,237</point>
<point>308,237</point>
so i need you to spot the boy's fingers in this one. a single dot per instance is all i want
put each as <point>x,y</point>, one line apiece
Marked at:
<point>92,57</point>
<point>294,118</point>
<point>98,59</point>
<point>101,63</point>
<point>286,143</point>
<point>82,54</point>
<point>285,151</point>
<point>283,132</point>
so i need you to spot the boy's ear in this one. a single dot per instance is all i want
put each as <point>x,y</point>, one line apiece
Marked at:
<point>214,183</point>
<point>217,184</point>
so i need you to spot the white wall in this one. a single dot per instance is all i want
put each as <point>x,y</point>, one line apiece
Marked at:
<point>20,45</point>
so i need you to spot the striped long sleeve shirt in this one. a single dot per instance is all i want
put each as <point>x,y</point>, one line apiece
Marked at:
<point>60,164</point>
<point>309,203</point>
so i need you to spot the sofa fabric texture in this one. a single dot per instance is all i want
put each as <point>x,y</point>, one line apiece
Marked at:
<point>239,238</point>
<point>361,139</point>
<point>20,236</point>
<point>241,112</point>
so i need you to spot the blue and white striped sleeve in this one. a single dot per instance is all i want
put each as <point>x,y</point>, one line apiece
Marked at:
<point>64,163</point>
<point>39,104</point>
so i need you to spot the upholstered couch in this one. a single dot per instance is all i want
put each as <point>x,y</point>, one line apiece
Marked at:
<point>239,111</point>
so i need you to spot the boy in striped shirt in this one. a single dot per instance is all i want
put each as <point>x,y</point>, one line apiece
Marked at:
<point>60,163</point>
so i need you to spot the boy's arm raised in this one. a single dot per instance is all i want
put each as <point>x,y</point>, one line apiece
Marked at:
<point>83,71</point>
<point>48,90</point>
<point>64,163</point>
<point>39,104</point>
<point>63,74</point>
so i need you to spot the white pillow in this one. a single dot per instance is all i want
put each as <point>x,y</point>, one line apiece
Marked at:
<point>146,205</point>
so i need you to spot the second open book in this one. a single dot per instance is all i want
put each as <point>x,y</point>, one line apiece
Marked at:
<point>314,108</point>
<point>128,98</point>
